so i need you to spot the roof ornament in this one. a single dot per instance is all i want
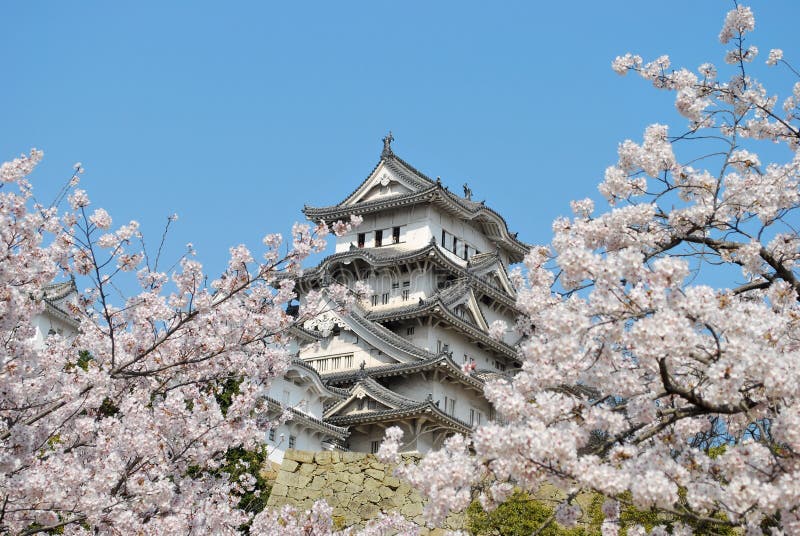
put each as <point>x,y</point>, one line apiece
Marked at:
<point>387,145</point>
<point>467,192</point>
<point>438,181</point>
<point>362,373</point>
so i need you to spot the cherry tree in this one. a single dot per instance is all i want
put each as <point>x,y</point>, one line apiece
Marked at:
<point>121,427</point>
<point>662,361</point>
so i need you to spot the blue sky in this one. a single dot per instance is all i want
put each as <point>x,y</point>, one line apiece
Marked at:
<point>235,114</point>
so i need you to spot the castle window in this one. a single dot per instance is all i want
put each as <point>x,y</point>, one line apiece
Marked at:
<point>378,238</point>
<point>499,365</point>
<point>292,441</point>
<point>396,235</point>
<point>348,361</point>
<point>444,238</point>
<point>450,406</point>
<point>395,286</point>
<point>374,446</point>
<point>410,331</point>
<point>272,434</point>
<point>405,295</point>
<point>371,404</point>
<point>362,238</point>
<point>466,252</point>
<point>385,298</point>
<point>406,284</point>
<point>455,245</point>
<point>474,417</point>
<point>374,300</point>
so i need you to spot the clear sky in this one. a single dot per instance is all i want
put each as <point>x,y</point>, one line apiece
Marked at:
<point>236,114</point>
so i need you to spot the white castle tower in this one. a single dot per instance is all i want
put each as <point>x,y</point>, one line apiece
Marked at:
<point>438,265</point>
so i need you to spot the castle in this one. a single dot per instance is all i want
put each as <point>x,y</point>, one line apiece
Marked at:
<point>417,353</point>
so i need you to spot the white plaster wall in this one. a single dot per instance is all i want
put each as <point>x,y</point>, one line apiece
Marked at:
<point>459,345</point>
<point>414,234</point>
<point>305,439</point>
<point>44,322</point>
<point>511,336</point>
<point>463,230</point>
<point>417,388</point>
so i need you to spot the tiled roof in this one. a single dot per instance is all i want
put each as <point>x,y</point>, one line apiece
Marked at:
<point>392,255</point>
<point>390,337</point>
<point>56,297</point>
<point>429,191</point>
<point>439,304</point>
<point>427,407</point>
<point>312,422</point>
<point>381,393</point>
<point>396,369</point>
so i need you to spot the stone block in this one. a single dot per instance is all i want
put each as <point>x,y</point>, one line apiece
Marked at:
<point>385,491</point>
<point>368,511</point>
<point>337,467</point>
<point>293,480</point>
<point>411,509</point>
<point>323,458</point>
<point>371,484</point>
<point>374,473</point>
<point>317,483</point>
<point>306,469</point>
<point>396,501</point>
<point>392,482</point>
<point>353,488</point>
<point>337,485</point>
<point>302,456</point>
<point>279,490</point>
<point>357,478</point>
<point>372,496</point>
<point>289,465</point>
<point>349,457</point>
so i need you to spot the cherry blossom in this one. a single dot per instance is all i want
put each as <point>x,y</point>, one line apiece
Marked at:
<point>110,430</point>
<point>661,364</point>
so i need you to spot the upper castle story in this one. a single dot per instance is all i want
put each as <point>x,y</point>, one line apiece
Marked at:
<point>405,210</point>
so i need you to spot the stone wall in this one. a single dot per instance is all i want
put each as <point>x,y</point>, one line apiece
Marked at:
<point>357,485</point>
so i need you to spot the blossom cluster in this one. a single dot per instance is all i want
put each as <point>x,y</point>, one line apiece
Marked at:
<point>120,426</point>
<point>643,378</point>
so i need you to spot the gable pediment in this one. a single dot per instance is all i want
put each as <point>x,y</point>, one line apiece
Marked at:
<point>361,405</point>
<point>468,310</point>
<point>382,183</point>
<point>367,396</point>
